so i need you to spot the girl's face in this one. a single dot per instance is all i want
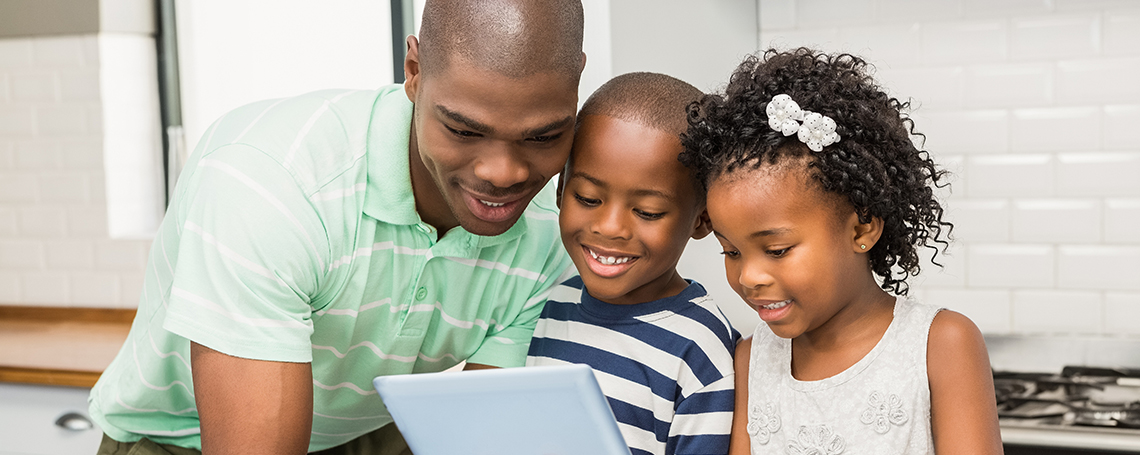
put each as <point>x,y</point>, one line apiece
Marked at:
<point>791,250</point>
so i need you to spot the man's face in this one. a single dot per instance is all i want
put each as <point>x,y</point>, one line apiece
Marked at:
<point>488,142</point>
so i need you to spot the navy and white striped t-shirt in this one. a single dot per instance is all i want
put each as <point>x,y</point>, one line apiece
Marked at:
<point>665,366</point>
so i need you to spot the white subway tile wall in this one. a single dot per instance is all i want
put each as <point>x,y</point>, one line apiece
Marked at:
<point>54,245</point>
<point>1036,104</point>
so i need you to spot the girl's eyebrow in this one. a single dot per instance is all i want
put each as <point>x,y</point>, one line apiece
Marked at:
<point>770,232</point>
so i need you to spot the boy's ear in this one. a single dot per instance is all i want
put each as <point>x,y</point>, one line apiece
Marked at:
<point>558,189</point>
<point>866,234</point>
<point>703,227</point>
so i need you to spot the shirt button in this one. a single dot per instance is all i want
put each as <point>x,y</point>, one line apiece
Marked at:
<point>421,293</point>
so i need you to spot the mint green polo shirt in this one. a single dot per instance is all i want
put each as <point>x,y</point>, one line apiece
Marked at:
<point>293,237</point>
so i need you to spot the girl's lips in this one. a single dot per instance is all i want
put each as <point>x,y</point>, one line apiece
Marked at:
<point>772,310</point>
<point>492,211</point>
<point>605,264</point>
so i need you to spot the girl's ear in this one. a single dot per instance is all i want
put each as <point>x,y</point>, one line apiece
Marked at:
<point>703,227</point>
<point>866,234</point>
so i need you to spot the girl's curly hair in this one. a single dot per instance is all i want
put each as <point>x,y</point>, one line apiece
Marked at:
<point>875,165</point>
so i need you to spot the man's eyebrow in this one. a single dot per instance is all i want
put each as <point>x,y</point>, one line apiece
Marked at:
<point>467,122</point>
<point>547,128</point>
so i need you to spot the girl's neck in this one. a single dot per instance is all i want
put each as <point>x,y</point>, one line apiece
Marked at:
<point>845,338</point>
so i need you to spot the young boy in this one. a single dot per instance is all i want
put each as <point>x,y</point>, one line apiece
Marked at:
<point>660,348</point>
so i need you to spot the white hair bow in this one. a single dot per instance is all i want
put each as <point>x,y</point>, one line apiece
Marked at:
<point>814,129</point>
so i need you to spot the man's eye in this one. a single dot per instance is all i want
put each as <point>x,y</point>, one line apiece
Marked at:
<point>544,139</point>
<point>461,133</point>
<point>587,201</point>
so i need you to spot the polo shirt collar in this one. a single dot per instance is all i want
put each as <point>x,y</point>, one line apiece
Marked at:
<point>388,193</point>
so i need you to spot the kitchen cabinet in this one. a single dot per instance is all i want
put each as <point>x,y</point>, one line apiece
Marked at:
<point>28,415</point>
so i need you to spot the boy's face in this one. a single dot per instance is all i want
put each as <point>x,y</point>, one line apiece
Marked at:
<point>628,208</point>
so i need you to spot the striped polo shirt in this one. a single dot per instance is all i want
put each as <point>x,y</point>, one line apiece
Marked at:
<point>665,366</point>
<point>293,237</point>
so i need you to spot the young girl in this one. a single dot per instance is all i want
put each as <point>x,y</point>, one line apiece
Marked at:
<point>821,199</point>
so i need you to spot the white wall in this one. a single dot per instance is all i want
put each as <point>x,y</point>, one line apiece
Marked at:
<point>235,52</point>
<point>1032,104</point>
<point>55,246</point>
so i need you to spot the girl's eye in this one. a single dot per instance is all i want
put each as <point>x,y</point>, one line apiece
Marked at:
<point>461,133</point>
<point>649,215</point>
<point>731,254</point>
<point>779,253</point>
<point>586,201</point>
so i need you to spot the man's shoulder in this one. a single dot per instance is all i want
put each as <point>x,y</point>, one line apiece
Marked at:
<point>316,136</point>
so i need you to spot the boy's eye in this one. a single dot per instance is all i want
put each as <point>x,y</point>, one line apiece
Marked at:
<point>649,215</point>
<point>461,133</point>
<point>779,252</point>
<point>586,201</point>
<point>731,254</point>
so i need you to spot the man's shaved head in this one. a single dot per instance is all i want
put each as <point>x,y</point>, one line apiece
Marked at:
<point>654,100</point>
<point>516,38</point>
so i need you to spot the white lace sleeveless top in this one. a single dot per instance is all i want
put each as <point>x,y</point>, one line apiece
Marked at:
<point>880,405</point>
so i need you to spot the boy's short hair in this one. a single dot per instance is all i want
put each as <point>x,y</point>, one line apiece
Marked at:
<point>654,100</point>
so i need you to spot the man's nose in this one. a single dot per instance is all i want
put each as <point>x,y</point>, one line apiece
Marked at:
<point>502,166</point>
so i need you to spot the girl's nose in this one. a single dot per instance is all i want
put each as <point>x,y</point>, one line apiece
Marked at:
<point>753,275</point>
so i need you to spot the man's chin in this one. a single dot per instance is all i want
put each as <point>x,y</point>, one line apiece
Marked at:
<point>485,228</point>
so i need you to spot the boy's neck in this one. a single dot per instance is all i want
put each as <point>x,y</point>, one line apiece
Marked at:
<point>673,285</point>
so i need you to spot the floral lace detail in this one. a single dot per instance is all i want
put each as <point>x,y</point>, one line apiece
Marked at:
<point>816,440</point>
<point>763,422</point>
<point>883,412</point>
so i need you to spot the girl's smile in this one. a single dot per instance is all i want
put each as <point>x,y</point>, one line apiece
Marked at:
<point>792,250</point>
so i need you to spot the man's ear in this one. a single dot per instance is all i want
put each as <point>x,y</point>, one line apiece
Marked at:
<point>703,227</point>
<point>866,234</point>
<point>412,68</point>
<point>583,63</point>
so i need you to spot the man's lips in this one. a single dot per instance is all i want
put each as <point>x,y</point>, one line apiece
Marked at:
<point>494,209</point>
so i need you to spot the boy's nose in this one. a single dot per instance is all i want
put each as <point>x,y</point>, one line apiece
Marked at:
<point>501,167</point>
<point>611,223</point>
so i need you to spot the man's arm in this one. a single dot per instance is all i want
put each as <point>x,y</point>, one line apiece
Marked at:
<point>251,406</point>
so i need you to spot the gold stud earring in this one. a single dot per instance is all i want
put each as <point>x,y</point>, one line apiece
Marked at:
<point>862,246</point>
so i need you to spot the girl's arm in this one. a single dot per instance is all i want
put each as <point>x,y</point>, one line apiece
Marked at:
<point>738,444</point>
<point>963,408</point>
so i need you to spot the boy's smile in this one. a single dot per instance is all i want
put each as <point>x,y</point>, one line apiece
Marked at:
<point>628,208</point>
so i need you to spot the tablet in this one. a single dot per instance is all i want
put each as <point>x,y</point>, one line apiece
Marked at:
<point>547,410</point>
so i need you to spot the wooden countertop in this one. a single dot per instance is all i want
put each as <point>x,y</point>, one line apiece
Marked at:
<point>59,346</point>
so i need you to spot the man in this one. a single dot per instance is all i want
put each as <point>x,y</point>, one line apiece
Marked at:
<point>318,241</point>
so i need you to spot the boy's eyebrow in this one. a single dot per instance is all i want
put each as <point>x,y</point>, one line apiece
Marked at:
<point>637,192</point>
